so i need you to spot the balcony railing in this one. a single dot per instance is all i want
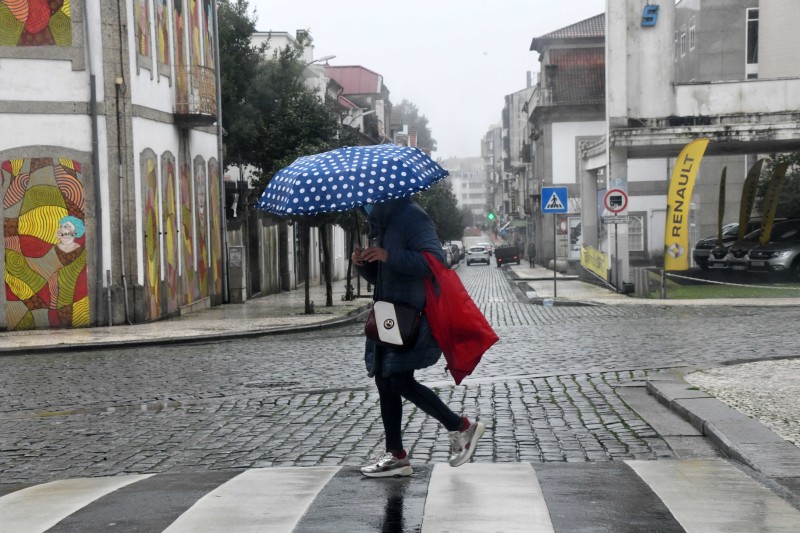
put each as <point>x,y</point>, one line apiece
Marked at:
<point>199,106</point>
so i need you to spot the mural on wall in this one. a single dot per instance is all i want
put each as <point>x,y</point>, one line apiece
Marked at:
<point>152,244</point>
<point>201,221</point>
<point>194,31</point>
<point>35,23</point>
<point>181,75</point>
<point>208,32</point>
<point>216,225</point>
<point>190,289</point>
<point>45,243</point>
<point>162,32</point>
<point>141,12</point>
<point>170,233</point>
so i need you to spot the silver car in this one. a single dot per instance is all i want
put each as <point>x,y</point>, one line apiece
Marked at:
<point>477,254</point>
<point>781,255</point>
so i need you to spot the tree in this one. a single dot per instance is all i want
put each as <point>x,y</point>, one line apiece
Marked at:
<point>410,116</point>
<point>238,60</point>
<point>442,206</point>
<point>789,199</point>
<point>467,217</point>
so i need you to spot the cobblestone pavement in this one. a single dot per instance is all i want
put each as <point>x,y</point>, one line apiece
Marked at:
<point>546,392</point>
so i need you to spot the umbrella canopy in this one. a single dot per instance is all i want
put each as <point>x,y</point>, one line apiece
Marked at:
<point>349,177</point>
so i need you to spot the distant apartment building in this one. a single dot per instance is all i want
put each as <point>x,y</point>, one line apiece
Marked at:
<point>469,184</point>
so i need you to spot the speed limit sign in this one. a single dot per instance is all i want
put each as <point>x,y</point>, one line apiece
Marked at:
<point>616,200</point>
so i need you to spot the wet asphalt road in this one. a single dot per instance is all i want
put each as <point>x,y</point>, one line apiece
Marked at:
<point>547,392</point>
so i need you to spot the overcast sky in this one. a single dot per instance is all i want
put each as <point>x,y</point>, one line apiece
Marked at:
<point>454,59</point>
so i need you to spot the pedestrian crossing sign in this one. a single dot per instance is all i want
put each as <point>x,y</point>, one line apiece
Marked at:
<point>554,200</point>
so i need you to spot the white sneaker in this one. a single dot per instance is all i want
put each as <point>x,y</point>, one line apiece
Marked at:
<point>388,466</point>
<point>462,443</point>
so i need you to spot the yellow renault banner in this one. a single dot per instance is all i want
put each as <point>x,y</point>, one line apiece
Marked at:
<point>681,184</point>
<point>771,201</point>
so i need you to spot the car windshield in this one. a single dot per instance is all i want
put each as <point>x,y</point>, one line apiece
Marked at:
<point>786,233</point>
<point>730,229</point>
<point>477,249</point>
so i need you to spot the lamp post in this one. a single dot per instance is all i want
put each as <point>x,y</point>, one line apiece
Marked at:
<point>320,60</point>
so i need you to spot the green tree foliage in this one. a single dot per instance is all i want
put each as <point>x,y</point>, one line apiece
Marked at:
<point>410,116</point>
<point>789,199</point>
<point>238,60</point>
<point>440,203</point>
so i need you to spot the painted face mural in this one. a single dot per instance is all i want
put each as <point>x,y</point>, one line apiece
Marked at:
<point>45,243</point>
<point>35,23</point>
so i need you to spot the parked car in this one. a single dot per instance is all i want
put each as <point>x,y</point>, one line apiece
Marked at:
<point>449,260</point>
<point>702,250</point>
<point>732,256</point>
<point>462,252</point>
<point>781,255</point>
<point>456,253</point>
<point>506,254</point>
<point>477,254</point>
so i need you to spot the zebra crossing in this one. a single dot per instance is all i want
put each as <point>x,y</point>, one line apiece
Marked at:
<point>694,495</point>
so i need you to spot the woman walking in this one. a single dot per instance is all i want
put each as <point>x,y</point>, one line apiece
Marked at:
<point>400,231</point>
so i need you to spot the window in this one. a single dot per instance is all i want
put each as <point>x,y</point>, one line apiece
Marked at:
<point>692,39</point>
<point>675,46</point>
<point>635,233</point>
<point>751,63</point>
<point>683,40</point>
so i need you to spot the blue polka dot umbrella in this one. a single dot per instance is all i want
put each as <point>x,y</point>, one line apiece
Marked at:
<point>349,177</point>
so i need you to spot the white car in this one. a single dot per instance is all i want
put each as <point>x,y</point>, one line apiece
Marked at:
<point>478,254</point>
<point>488,246</point>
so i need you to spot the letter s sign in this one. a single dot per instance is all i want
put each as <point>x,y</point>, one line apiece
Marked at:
<point>649,15</point>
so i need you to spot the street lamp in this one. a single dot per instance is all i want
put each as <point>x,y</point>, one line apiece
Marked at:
<point>346,122</point>
<point>320,60</point>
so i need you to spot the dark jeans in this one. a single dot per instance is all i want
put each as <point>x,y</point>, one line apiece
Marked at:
<point>393,389</point>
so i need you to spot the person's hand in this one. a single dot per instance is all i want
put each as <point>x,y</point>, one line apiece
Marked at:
<point>357,256</point>
<point>375,253</point>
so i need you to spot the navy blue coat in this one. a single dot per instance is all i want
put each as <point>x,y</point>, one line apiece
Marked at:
<point>404,230</point>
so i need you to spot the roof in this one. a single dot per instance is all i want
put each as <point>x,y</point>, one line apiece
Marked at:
<point>591,28</point>
<point>356,79</point>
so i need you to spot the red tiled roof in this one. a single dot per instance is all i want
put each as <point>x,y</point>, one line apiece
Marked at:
<point>356,79</point>
<point>586,29</point>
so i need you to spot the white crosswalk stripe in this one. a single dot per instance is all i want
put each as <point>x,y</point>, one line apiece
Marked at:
<point>480,497</point>
<point>39,508</point>
<point>274,496</point>
<point>693,495</point>
<point>711,495</point>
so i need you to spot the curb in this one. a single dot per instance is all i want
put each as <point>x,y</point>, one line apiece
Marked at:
<point>352,316</point>
<point>738,436</point>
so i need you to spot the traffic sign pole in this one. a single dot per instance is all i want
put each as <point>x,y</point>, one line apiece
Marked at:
<point>554,200</point>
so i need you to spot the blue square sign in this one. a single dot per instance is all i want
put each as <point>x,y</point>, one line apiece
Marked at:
<point>554,200</point>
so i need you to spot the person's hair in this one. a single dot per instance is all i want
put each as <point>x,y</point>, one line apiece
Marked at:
<point>77,223</point>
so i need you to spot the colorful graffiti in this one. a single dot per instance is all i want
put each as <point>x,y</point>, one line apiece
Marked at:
<point>162,33</point>
<point>208,32</point>
<point>152,244</point>
<point>170,232</point>
<point>35,23</point>
<point>201,235</point>
<point>194,31</point>
<point>181,74</point>
<point>141,12</point>
<point>216,225</point>
<point>190,288</point>
<point>45,244</point>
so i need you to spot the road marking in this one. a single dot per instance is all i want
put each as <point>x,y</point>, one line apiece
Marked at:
<point>710,495</point>
<point>36,509</point>
<point>254,500</point>
<point>480,497</point>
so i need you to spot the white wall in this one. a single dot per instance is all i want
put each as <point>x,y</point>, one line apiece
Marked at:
<point>726,98</point>
<point>647,170</point>
<point>565,166</point>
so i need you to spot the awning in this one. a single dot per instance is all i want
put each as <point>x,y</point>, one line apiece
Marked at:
<point>514,224</point>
